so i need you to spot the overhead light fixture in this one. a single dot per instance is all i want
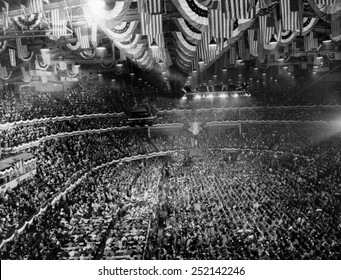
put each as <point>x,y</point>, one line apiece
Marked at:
<point>44,47</point>
<point>77,66</point>
<point>326,41</point>
<point>119,63</point>
<point>285,67</point>
<point>239,60</point>
<point>273,41</point>
<point>255,68</point>
<point>160,62</point>
<point>212,43</point>
<point>224,69</point>
<point>113,80</point>
<point>319,56</point>
<point>154,45</point>
<point>194,71</point>
<point>281,58</point>
<point>100,47</point>
<point>201,62</point>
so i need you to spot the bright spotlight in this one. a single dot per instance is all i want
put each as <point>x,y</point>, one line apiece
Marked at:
<point>96,5</point>
<point>198,96</point>
<point>184,97</point>
<point>222,95</point>
<point>210,96</point>
<point>235,95</point>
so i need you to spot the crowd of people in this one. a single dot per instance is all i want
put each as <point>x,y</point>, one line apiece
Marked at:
<point>61,161</point>
<point>248,205</point>
<point>250,191</point>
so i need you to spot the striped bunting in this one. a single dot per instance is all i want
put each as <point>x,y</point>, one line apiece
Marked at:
<point>151,24</point>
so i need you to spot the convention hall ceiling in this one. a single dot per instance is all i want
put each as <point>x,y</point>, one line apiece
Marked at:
<point>77,38</point>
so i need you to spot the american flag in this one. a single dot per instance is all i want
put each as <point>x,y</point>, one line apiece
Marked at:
<point>220,26</point>
<point>292,15</point>
<point>5,15</point>
<point>253,42</point>
<point>240,9</point>
<point>3,71</point>
<point>82,36</point>
<point>310,42</point>
<point>35,6</point>
<point>241,48</point>
<point>22,49</point>
<point>26,75</point>
<point>151,24</point>
<point>265,30</point>
<point>58,24</point>
<point>233,55</point>
<point>12,59</point>
<point>336,28</point>
<point>94,34</point>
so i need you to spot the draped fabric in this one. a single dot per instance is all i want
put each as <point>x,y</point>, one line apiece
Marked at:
<point>58,23</point>
<point>26,76</point>
<point>336,30</point>
<point>186,28</point>
<point>74,47</point>
<point>292,14</point>
<point>22,49</point>
<point>151,24</point>
<point>328,10</point>
<point>123,30</point>
<point>12,59</point>
<point>130,42</point>
<point>82,36</point>
<point>29,22</point>
<point>308,24</point>
<point>220,26</point>
<point>35,6</point>
<point>240,9</point>
<point>192,11</point>
<point>253,42</point>
<point>286,37</point>
<point>3,46</point>
<point>88,54</point>
<point>186,44</point>
<point>310,42</point>
<point>265,31</point>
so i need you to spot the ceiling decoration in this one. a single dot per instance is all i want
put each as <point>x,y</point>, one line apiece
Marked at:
<point>154,34</point>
